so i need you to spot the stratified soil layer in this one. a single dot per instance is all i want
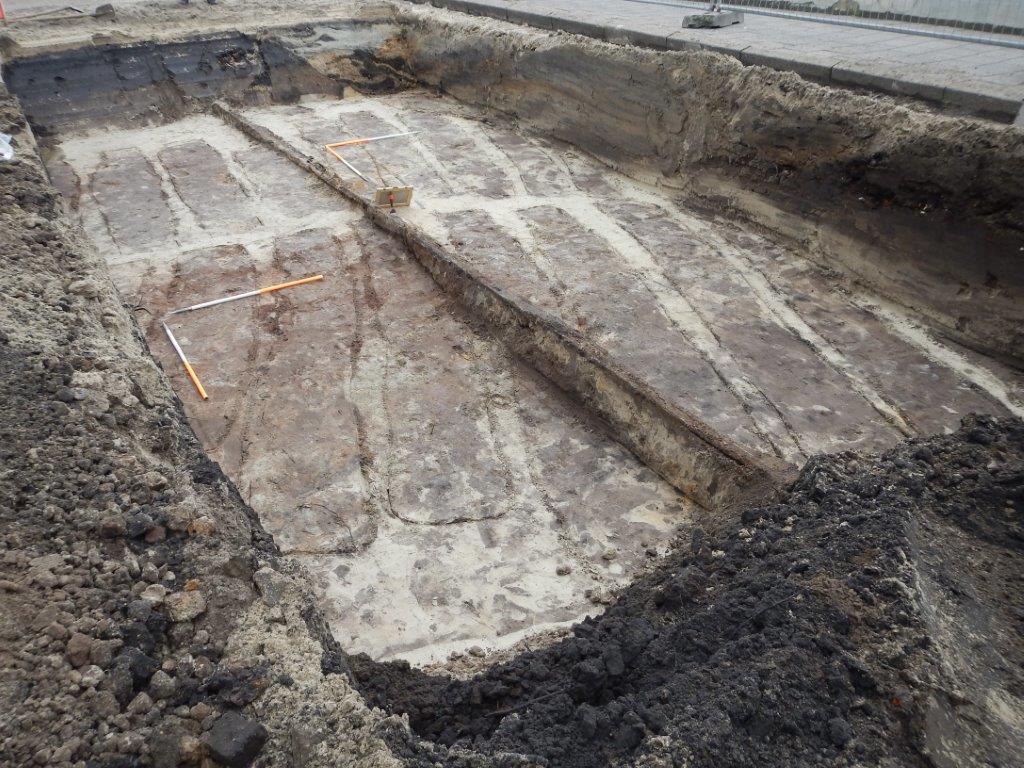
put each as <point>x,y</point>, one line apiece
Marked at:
<point>840,626</point>
<point>925,208</point>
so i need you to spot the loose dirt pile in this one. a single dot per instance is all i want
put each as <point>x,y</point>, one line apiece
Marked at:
<point>145,616</point>
<point>806,634</point>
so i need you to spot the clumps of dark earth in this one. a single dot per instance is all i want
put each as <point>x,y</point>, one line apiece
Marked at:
<point>802,635</point>
<point>97,600</point>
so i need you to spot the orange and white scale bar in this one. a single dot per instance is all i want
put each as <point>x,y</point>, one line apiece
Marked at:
<point>247,294</point>
<point>258,292</point>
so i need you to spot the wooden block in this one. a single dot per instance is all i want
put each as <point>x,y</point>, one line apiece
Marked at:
<point>393,197</point>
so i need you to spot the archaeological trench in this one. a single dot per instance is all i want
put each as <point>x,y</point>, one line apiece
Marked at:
<point>677,422</point>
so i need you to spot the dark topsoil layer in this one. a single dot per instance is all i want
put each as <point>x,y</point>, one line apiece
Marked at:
<point>85,526</point>
<point>799,636</point>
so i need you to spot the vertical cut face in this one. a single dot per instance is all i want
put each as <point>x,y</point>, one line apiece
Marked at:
<point>441,494</point>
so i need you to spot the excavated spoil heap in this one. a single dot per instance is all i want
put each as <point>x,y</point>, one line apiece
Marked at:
<point>865,609</point>
<point>796,637</point>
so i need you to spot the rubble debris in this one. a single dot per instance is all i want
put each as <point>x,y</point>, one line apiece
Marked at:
<point>185,606</point>
<point>713,18</point>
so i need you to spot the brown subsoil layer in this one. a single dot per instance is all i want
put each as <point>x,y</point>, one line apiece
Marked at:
<point>803,635</point>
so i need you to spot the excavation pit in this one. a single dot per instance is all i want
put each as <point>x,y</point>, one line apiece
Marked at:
<point>402,455</point>
<point>584,347</point>
<point>441,494</point>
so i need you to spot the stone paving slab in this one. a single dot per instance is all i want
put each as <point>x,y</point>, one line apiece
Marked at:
<point>981,79</point>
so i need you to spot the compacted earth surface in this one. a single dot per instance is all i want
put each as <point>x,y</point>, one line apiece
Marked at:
<point>718,317</point>
<point>560,466</point>
<point>441,494</point>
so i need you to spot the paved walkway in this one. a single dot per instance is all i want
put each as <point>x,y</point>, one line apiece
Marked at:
<point>20,9</point>
<point>979,78</point>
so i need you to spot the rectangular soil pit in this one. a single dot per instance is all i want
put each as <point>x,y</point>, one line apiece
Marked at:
<point>441,494</point>
<point>715,316</point>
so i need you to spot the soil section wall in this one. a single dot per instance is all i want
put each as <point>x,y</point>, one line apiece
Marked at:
<point>927,209</point>
<point>146,82</point>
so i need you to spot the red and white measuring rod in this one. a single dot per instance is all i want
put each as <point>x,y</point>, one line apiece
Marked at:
<point>248,294</point>
<point>348,165</point>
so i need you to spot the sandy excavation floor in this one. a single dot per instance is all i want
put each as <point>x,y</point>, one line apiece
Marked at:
<point>778,354</point>
<point>436,490</point>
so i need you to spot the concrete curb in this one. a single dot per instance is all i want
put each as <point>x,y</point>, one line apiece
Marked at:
<point>818,72</point>
<point>983,103</point>
<point>702,464</point>
<point>619,35</point>
<point>844,75</point>
<point>838,72</point>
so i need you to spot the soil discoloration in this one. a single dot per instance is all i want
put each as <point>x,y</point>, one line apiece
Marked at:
<point>720,319</point>
<point>431,484</point>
